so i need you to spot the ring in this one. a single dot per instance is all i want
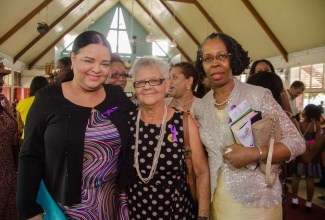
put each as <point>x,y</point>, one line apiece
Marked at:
<point>228,150</point>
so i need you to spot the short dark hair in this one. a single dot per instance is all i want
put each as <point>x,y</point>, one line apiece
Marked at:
<point>312,112</point>
<point>252,69</point>
<point>297,84</point>
<point>89,37</point>
<point>189,70</point>
<point>268,80</point>
<point>115,58</point>
<point>37,83</point>
<point>66,61</point>
<point>239,59</point>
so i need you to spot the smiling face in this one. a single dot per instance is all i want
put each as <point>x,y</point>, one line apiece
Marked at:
<point>179,83</point>
<point>151,95</point>
<point>119,68</point>
<point>91,66</point>
<point>218,71</point>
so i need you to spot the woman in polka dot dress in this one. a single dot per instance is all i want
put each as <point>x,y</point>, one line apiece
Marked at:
<point>159,190</point>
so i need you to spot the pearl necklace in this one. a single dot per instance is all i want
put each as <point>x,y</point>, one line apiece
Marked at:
<point>222,103</point>
<point>186,104</point>
<point>157,148</point>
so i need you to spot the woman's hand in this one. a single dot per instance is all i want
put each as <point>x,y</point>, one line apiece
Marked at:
<point>239,155</point>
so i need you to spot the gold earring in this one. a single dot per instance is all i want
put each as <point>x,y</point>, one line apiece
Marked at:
<point>188,87</point>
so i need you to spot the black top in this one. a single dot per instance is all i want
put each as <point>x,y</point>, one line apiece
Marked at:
<point>53,147</point>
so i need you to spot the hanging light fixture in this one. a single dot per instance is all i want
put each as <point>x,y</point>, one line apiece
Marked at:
<point>150,37</point>
<point>131,35</point>
<point>174,44</point>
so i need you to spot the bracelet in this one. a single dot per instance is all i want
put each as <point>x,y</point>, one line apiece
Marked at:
<point>202,218</point>
<point>261,153</point>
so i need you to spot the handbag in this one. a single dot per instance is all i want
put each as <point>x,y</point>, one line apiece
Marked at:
<point>190,175</point>
<point>51,209</point>
<point>267,132</point>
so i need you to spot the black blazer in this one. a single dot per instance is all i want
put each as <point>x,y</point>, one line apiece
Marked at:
<point>53,147</point>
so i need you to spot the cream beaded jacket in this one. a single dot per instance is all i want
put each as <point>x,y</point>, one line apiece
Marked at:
<point>246,186</point>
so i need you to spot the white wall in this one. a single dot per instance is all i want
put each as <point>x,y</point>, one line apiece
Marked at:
<point>307,57</point>
<point>26,75</point>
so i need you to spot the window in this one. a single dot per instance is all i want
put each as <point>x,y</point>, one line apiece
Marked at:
<point>159,48</point>
<point>117,35</point>
<point>311,75</point>
<point>313,78</point>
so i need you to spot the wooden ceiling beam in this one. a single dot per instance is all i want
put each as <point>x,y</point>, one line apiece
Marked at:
<point>266,28</point>
<point>164,31</point>
<point>181,23</point>
<point>201,9</point>
<point>33,42</point>
<point>182,1</point>
<point>207,16</point>
<point>65,33</point>
<point>26,19</point>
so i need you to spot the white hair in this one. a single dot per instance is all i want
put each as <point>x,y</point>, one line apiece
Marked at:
<point>150,61</point>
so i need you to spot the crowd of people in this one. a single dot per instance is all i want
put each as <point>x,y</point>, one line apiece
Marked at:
<point>101,156</point>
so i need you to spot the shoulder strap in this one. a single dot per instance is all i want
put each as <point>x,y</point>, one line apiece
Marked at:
<point>186,132</point>
<point>307,129</point>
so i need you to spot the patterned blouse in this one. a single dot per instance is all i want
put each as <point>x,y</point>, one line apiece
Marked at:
<point>246,186</point>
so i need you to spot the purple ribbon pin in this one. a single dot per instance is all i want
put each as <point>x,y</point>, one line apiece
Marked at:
<point>173,130</point>
<point>231,108</point>
<point>110,110</point>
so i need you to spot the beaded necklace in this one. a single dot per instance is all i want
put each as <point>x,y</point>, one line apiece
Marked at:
<point>186,104</point>
<point>227,100</point>
<point>157,149</point>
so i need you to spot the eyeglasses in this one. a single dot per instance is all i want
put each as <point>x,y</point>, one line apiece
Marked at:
<point>58,70</point>
<point>117,75</point>
<point>151,82</point>
<point>221,57</point>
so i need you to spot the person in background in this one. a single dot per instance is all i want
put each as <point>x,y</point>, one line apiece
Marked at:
<point>311,131</point>
<point>63,73</point>
<point>274,83</point>
<point>203,86</point>
<point>183,78</point>
<point>23,106</point>
<point>261,66</point>
<point>8,158</point>
<point>75,136</point>
<point>318,149</point>
<point>50,79</point>
<point>234,187</point>
<point>118,75</point>
<point>297,88</point>
<point>265,65</point>
<point>159,189</point>
<point>321,106</point>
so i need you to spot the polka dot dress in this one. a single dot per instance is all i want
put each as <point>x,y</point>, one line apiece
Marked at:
<point>167,194</point>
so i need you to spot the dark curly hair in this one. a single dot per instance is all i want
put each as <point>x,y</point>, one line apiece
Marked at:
<point>312,112</point>
<point>188,70</point>
<point>239,59</point>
